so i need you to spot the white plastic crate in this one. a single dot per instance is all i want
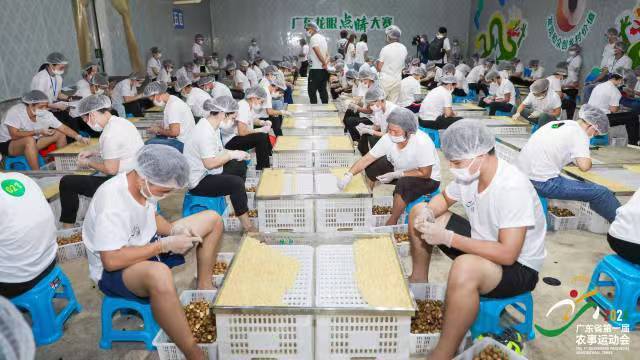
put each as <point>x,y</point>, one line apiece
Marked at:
<point>65,161</point>
<point>590,221</point>
<point>510,130</point>
<point>167,350</point>
<point>403,247</point>
<point>476,349</point>
<point>343,337</point>
<point>557,223</point>
<point>286,215</point>
<point>226,258</point>
<point>70,251</point>
<point>292,159</point>
<point>232,223</point>
<point>381,220</point>
<point>342,214</point>
<point>329,159</point>
<point>250,336</point>
<point>506,153</point>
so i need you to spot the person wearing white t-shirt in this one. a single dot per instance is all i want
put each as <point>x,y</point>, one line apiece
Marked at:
<point>350,53</point>
<point>541,105</point>
<point>404,157</point>
<point>560,143</point>
<point>98,85</point>
<point>445,47</point>
<point>624,232</point>
<point>89,70</point>
<point>49,81</point>
<point>247,71</point>
<point>196,49</point>
<point>166,72</point>
<point>275,87</point>
<point>613,60</point>
<point>256,69</point>
<point>253,51</point>
<point>319,56</point>
<point>391,62</point>
<point>436,110</point>
<point>498,252</point>
<point>119,142</point>
<point>475,78</point>
<point>186,71</point>
<point>362,50</point>
<point>380,110</point>
<point>29,127</point>
<point>555,84</point>
<point>177,120</point>
<point>216,89</point>
<point>125,97</point>
<point>571,84</point>
<point>608,56</point>
<point>154,64</point>
<point>131,248</point>
<point>449,69</point>
<point>303,57</point>
<point>410,89</point>
<point>194,97</point>
<point>28,236</point>
<point>505,97</point>
<point>358,112</point>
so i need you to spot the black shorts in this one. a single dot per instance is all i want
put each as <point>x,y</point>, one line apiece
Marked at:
<point>516,279</point>
<point>10,290</point>
<point>4,148</point>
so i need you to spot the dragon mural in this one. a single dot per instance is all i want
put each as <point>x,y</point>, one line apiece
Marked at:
<point>505,38</point>
<point>628,24</point>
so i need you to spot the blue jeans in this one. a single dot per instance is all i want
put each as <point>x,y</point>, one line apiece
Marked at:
<point>277,104</point>
<point>163,140</point>
<point>288,95</point>
<point>634,104</point>
<point>601,200</point>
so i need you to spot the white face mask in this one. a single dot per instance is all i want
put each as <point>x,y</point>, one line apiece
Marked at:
<point>226,124</point>
<point>309,33</point>
<point>99,92</point>
<point>150,197</point>
<point>572,53</point>
<point>40,112</point>
<point>93,123</point>
<point>58,72</point>
<point>397,139</point>
<point>158,103</point>
<point>376,108</point>
<point>463,174</point>
<point>200,42</point>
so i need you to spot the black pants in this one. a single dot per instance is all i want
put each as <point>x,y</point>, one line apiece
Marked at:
<point>137,107</point>
<point>440,123</point>
<point>237,94</point>
<point>520,81</point>
<point>410,188</point>
<point>227,183</point>
<point>479,87</point>
<point>71,186</point>
<point>276,124</point>
<point>627,250</point>
<point>366,142</point>
<point>258,141</point>
<point>570,106</point>
<point>459,92</point>
<point>304,67</point>
<point>318,83</point>
<point>630,122</point>
<point>10,290</point>
<point>75,124</point>
<point>351,120</point>
<point>496,106</point>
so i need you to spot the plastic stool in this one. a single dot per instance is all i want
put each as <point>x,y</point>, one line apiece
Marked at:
<point>47,325</point>
<point>110,306</point>
<point>488,319</point>
<point>194,204</point>
<point>534,128</point>
<point>421,199</point>
<point>625,277</point>
<point>599,140</point>
<point>545,205</point>
<point>20,163</point>
<point>506,113</point>
<point>433,134</point>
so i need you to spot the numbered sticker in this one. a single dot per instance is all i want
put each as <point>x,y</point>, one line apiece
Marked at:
<point>13,187</point>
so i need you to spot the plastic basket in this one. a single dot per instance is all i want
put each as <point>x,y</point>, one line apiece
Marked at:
<point>403,247</point>
<point>232,223</point>
<point>167,350</point>
<point>65,161</point>
<point>293,159</point>
<point>342,214</point>
<point>381,220</point>
<point>70,251</point>
<point>226,258</point>
<point>556,223</point>
<point>619,141</point>
<point>286,215</point>
<point>328,159</point>
<point>506,153</point>
<point>590,221</point>
<point>475,350</point>
<point>510,130</point>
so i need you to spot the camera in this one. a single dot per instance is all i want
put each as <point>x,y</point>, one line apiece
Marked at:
<point>416,40</point>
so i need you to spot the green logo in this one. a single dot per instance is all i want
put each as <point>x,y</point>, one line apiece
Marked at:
<point>13,187</point>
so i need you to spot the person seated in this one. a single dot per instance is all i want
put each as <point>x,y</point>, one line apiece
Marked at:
<point>248,72</point>
<point>243,136</point>
<point>98,85</point>
<point>380,110</point>
<point>358,112</point>
<point>560,143</point>
<point>256,68</point>
<point>606,96</point>
<point>631,90</point>
<point>239,82</point>
<point>518,71</point>
<point>541,105</point>
<point>404,157</point>
<point>498,252</point>
<point>555,85</point>
<point>166,72</point>
<point>49,81</point>
<point>131,248</point>
<point>214,170</point>
<point>125,97</point>
<point>462,86</point>
<point>194,97</point>
<point>186,71</point>
<point>432,76</point>
<point>571,85</point>
<point>337,80</point>
<point>119,142</point>
<point>436,108</point>
<point>177,119</point>
<point>287,70</point>
<point>154,64</point>
<point>275,87</point>
<point>410,89</point>
<point>28,236</point>
<point>213,66</point>
<point>505,97</point>
<point>613,58</point>
<point>450,69</point>
<point>89,70</point>
<point>624,232</point>
<point>475,78</point>
<point>29,127</point>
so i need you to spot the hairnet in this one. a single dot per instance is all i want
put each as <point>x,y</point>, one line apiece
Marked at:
<point>539,86</point>
<point>163,166</point>
<point>35,97</point>
<point>595,116</point>
<point>561,69</point>
<point>99,80</point>
<point>88,65</point>
<point>56,58</point>
<point>575,47</point>
<point>92,103</point>
<point>271,69</point>
<point>205,80</point>
<point>466,139</point>
<point>225,104</point>
<point>404,118</point>
<point>167,62</point>
<point>515,60</point>
<point>199,36</point>
<point>449,68</point>
<point>339,64</point>
<point>231,66</point>
<point>418,71</point>
<point>255,92</point>
<point>16,337</point>
<point>491,75</point>
<point>244,63</point>
<point>448,79</point>
<point>505,66</point>
<point>415,61</point>
<point>621,45</point>
<point>155,50</point>
<point>430,66</point>
<point>181,83</point>
<point>279,83</point>
<point>365,74</point>
<point>375,93</point>
<point>338,57</point>
<point>312,25</point>
<point>630,78</point>
<point>351,74</point>
<point>393,32</point>
<point>489,61</point>
<point>464,68</point>
<point>138,75</point>
<point>534,63</point>
<point>155,88</point>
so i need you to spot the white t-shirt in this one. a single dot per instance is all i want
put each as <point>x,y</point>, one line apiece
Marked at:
<point>550,102</point>
<point>461,81</point>
<point>203,143</point>
<point>506,87</point>
<point>409,87</point>
<point>393,56</point>
<point>256,69</point>
<point>573,69</point>
<point>268,103</point>
<point>18,118</point>
<point>50,85</point>
<point>184,74</point>
<point>122,89</point>
<point>178,112</point>
<point>537,73</point>
<point>196,99</point>
<point>114,220</point>
<point>607,54</point>
<point>554,83</point>
<point>241,80</point>
<point>83,88</point>
<point>245,114</point>
<point>350,55</point>
<point>220,89</point>
<point>419,152</point>
<point>434,103</point>
<point>152,64</point>
<point>252,77</point>
<point>28,237</point>
<point>120,139</point>
<point>164,76</point>
<point>605,95</point>
<point>474,75</point>
<point>196,49</point>
<point>510,201</point>
<point>552,147</point>
<point>624,62</point>
<point>320,42</point>
<point>305,53</point>
<point>519,68</point>
<point>626,226</point>
<point>361,49</point>
<point>380,118</point>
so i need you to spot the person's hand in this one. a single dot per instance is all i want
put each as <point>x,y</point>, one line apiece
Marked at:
<point>536,114</point>
<point>434,234</point>
<point>265,129</point>
<point>344,181</point>
<point>423,214</point>
<point>390,176</point>
<point>286,113</point>
<point>488,100</point>
<point>182,229</point>
<point>353,106</point>
<point>516,116</point>
<point>325,66</point>
<point>83,140</point>
<point>238,155</point>
<point>44,132</point>
<point>86,154</point>
<point>155,129</point>
<point>364,129</point>
<point>83,162</point>
<point>178,244</point>
<point>267,123</point>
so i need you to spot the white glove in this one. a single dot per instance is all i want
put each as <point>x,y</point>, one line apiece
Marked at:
<point>423,214</point>
<point>390,176</point>
<point>286,113</point>
<point>265,129</point>
<point>182,229</point>
<point>346,179</point>
<point>45,132</point>
<point>178,244</point>
<point>516,116</point>
<point>365,129</point>
<point>238,155</point>
<point>361,128</point>
<point>434,234</point>
<point>536,114</point>
<point>83,140</point>
<point>83,162</point>
<point>353,106</point>
<point>267,123</point>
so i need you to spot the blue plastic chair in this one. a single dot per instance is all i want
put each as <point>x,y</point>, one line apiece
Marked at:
<point>433,134</point>
<point>47,326</point>
<point>488,319</point>
<point>112,305</point>
<point>625,277</point>
<point>527,72</point>
<point>600,140</point>
<point>534,128</point>
<point>545,207</point>
<point>194,204</point>
<point>20,163</point>
<point>421,199</point>
<point>506,113</point>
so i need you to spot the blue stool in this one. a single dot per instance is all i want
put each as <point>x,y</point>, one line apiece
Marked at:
<point>20,163</point>
<point>421,199</point>
<point>600,140</point>
<point>111,305</point>
<point>194,204</point>
<point>545,205</point>
<point>488,319</point>
<point>534,128</point>
<point>433,134</point>
<point>506,113</point>
<point>47,325</point>
<point>471,97</point>
<point>625,277</point>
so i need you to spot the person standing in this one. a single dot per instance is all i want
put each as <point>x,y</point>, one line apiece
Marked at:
<point>440,47</point>
<point>253,51</point>
<point>342,43</point>
<point>350,54</point>
<point>304,58</point>
<point>196,49</point>
<point>391,62</point>
<point>318,75</point>
<point>361,52</point>
<point>153,64</point>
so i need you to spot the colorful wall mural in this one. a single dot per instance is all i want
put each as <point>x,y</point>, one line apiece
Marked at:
<point>628,25</point>
<point>503,37</point>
